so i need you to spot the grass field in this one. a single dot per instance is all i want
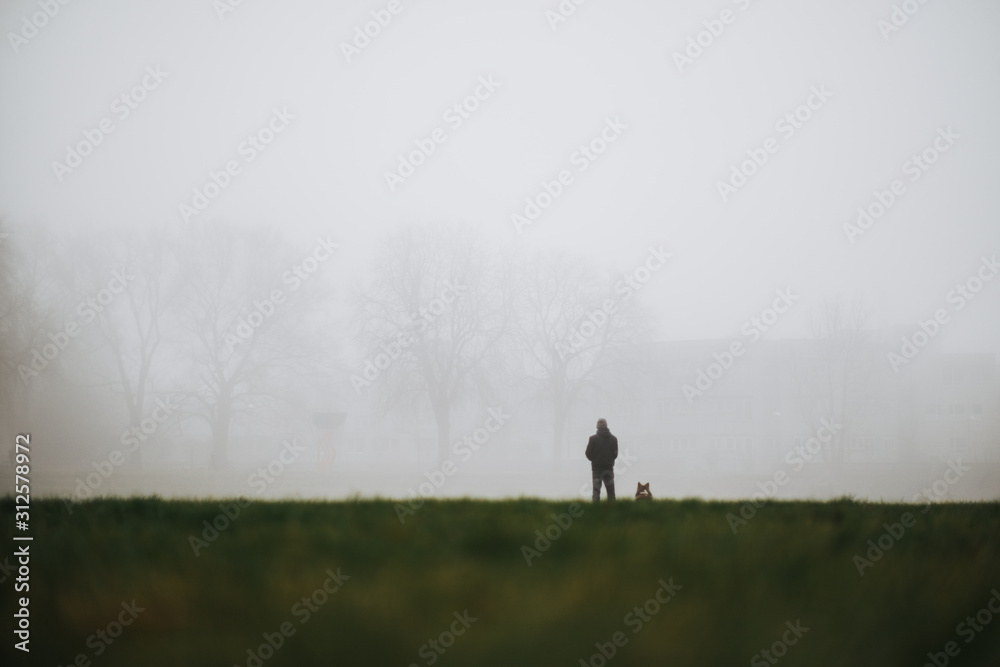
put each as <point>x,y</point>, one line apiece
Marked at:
<point>393,587</point>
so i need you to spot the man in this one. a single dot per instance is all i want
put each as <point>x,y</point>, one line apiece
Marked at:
<point>602,450</point>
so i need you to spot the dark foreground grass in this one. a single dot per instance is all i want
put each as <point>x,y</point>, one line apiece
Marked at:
<point>792,562</point>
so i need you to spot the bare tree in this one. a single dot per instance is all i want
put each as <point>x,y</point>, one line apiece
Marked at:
<point>28,310</point>
<point>431,321</point>
<point>126,282</point>
<point>252,319</point>
<point>570,327</point>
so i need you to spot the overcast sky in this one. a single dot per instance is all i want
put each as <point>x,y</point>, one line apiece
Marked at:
<point>679,126</point>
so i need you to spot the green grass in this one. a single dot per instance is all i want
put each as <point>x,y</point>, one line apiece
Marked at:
<point>792,561</point>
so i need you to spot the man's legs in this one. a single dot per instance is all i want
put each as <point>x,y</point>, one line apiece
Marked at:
<point>609,482</point>
<point>608,477</point>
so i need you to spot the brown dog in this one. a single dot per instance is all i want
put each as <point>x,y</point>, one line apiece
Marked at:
<point>642,493</point>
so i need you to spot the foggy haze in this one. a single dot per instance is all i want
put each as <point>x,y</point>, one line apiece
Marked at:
<point>249,249</point>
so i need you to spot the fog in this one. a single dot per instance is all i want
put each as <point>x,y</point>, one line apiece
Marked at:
<point>417,249</point>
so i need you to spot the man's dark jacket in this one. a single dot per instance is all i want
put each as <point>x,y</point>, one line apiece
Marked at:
<point>602,450</point>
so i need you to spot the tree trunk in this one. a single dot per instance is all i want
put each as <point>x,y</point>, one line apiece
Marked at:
<point>442,417</point>
<point>220,434</point>
<point>133,460</point>
<point>559,433</point>
<point>559,411</point>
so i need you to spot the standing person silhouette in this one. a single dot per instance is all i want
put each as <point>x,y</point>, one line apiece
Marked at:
<point>602,450</point>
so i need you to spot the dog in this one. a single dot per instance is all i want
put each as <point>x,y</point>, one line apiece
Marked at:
<point>642,492</point>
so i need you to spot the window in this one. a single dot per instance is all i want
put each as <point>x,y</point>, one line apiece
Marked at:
<point>863,442</point>
<point>767,444</point>
<point>681,443</point>
<point>728,443</point>
<point>718,443</point>
<point>670,409</point>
